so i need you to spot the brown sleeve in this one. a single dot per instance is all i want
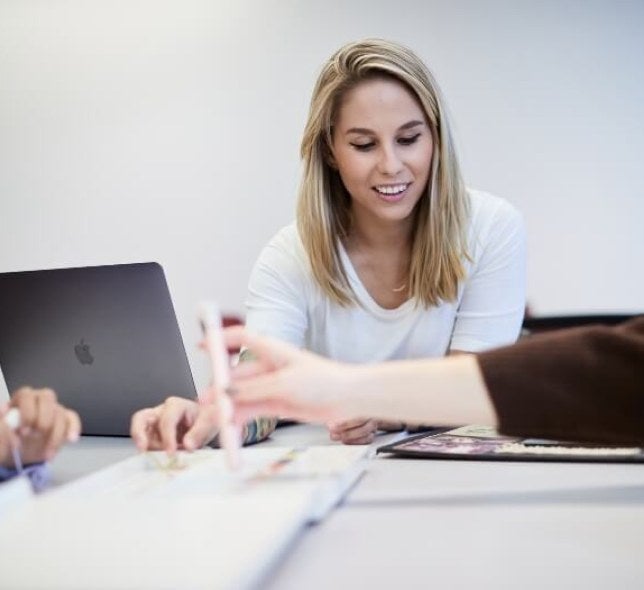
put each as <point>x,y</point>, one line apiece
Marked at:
<point>578,384</point>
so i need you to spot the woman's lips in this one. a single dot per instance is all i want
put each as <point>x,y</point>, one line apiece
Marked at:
<point>392,193</point>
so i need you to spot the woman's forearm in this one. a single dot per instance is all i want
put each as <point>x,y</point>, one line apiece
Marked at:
<point>442,391</point>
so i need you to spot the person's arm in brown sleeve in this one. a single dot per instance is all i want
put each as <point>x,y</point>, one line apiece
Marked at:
<point>578,384</point>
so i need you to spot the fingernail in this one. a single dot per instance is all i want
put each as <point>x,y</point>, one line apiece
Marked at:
<point>188,443</point>
<point>73,437</point>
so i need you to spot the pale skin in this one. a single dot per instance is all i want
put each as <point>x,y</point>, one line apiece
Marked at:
<point>301,385</point>
<point>177,423</point>
<point>45,426</point>
<point>382,148</point>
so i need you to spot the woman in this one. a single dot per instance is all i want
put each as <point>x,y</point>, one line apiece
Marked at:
<point>391,257</point>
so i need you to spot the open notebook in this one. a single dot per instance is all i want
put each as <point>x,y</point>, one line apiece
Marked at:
<point>149,523</point>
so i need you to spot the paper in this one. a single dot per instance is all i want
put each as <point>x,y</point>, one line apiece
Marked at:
<point>205,473</point>
<point>140,524</point>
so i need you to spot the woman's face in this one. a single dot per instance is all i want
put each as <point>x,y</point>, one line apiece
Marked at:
<point>382,147</point>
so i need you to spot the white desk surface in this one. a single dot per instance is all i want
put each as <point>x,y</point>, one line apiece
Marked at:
<point>421,524</point>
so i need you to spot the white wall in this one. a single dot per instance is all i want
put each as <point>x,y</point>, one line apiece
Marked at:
<point>154,130</point>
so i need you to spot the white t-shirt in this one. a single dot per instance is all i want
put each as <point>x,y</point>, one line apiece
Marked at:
<point>284,300</point>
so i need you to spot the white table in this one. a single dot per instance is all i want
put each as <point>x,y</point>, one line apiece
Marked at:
<point>423,524</point>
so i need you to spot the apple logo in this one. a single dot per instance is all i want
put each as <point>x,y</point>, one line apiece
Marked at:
<point>81,350</point>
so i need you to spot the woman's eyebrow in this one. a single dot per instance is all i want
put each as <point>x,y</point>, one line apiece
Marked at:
<point>410,125</point>
<point>359,131</point>
<point>366,131</point>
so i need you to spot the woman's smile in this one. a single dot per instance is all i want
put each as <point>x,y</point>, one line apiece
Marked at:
<point>392,193</point>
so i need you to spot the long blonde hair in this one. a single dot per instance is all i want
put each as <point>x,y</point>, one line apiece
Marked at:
<point>324,206</point>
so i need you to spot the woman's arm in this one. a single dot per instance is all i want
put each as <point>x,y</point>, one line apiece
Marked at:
<point>286,381</point>
<point>580,384</point>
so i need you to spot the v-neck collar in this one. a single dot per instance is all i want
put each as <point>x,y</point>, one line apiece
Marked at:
<point>364,296</point>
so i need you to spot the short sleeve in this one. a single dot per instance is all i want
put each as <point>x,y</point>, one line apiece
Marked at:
<point>492,305</point>
<point>276,304</point>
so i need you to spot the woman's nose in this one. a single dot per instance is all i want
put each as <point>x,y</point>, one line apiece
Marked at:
<point>389,162</point>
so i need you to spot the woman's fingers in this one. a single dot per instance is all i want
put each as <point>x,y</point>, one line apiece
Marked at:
<point>177,422</point>
<point>264,386</point>
<point>390,426</point>
<point>282,380</point>
<point>56,435</point>
<point>45,424</point>
<point>175,418</point>
<point>143,426</point>
<point>46,411</point>
<point>247,369</point>
<point>73,425</point>
<point>238,374</point>
<point>245,411</point>
<point>338,428</point>
<point>25,399</point>
<point>354,432</point>
<point>203,429</point>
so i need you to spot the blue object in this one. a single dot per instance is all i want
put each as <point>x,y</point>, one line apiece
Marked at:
<point>38,474</point>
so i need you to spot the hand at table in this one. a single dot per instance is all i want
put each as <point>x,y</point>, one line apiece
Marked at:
<point>45,426</point>
<point>177,423</point>
<point>360,431</point>
<point>390,426</point>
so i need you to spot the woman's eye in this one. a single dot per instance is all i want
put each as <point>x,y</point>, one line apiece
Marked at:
<point>408,140</point>
<point>363,147</point>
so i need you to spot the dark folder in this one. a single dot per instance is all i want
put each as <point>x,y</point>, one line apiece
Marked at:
<point>477,443</point>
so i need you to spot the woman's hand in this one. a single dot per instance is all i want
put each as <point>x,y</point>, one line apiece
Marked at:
<point>177,423</point>
<point>354,432</point>
<point>285,381</point>
<point>45,426</point>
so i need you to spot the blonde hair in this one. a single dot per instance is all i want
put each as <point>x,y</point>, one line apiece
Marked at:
<point>324,206</point>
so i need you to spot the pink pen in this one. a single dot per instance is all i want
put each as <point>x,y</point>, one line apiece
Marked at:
<point>229,438</point>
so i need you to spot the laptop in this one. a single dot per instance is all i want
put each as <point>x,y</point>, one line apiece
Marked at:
<point>105,338</point>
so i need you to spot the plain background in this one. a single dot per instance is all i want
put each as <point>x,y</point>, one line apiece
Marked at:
<point>152,130</point>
